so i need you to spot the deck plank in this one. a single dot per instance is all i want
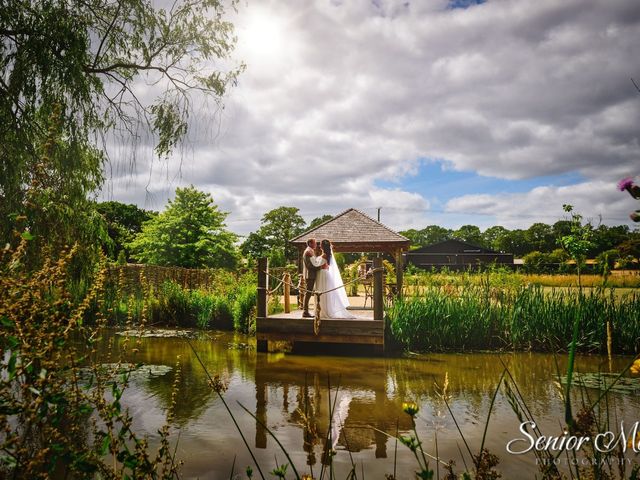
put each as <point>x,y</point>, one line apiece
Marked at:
<point>294,328</point>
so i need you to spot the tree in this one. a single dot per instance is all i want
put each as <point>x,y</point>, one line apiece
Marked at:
<point>255,246</point>
<point>630,248</point>
<point>320,220</point>
<point>470,234</point>
<point>54,207</point>
<point>124,221</point>
<point>540,237</point>
<point>578,242</point>
<point>189,233</point>
<point>77,62</point>
<point>607,238</point>
<point>492,236</point>
<point>427,236</point>
<point>535,261</point>
<point>513,241</point>
<point>279,226</point>
<point>434,234</point>
<point>560,229</point>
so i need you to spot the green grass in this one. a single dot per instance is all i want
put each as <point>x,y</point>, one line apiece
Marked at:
<point>224,306</point>
<point>477,317</point>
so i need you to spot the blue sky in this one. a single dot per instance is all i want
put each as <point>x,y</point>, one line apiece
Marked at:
<point>438,182</point>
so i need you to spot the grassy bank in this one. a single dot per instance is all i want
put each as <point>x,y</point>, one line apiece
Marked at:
<point>481,317</point>
<point>228,303</point>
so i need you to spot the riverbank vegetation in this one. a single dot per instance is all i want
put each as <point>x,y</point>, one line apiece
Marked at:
<point>482,316</point>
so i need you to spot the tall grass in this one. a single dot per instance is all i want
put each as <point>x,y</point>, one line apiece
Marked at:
<point>172,305</point>
<point>532,318</point>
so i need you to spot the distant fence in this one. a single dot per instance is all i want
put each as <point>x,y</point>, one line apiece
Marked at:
<point>129,276</point>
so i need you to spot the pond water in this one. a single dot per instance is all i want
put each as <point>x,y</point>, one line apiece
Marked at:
<point>291,394</point>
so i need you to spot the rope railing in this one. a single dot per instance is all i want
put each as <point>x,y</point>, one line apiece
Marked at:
<point>317,294</point>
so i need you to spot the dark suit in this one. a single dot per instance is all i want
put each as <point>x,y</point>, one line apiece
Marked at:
<point>310,272</point>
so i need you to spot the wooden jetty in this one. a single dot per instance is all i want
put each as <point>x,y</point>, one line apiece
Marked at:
<point>367,329</point>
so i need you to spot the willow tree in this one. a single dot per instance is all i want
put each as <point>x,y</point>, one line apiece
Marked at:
<point>71,77</point>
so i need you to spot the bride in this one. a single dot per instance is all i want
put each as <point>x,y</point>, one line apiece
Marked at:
<point>334,303</point>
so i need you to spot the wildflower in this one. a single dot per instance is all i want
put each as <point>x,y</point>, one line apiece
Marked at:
<point>410,408</point>
<point>634,442</point>
<point>625,184</point>
<point>306,476</point>
<point>635,368</point>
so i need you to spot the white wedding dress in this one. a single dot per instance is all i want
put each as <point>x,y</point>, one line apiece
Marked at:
<point>334,303</point>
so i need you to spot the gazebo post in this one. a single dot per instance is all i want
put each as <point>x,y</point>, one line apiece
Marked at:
<point>378,288</point>
<point>263,272</point>
<point>301,284</point>
<point>399,272</point>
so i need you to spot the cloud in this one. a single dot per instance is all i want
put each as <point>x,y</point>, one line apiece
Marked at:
<point>340,95</point>
<point>598,201</point>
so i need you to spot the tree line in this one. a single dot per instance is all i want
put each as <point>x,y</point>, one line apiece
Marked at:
<point>540,243</point>
<point>192,233</point>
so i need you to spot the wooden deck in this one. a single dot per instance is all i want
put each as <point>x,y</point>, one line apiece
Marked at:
<point>293,328</point>
<point>367,329</point>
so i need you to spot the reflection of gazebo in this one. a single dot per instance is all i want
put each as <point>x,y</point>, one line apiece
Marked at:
<point>354,231</point>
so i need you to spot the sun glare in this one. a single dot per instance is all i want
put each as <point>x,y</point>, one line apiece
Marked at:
<point>262,37</point>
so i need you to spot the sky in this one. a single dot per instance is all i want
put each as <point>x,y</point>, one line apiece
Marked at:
<point>445,112</point>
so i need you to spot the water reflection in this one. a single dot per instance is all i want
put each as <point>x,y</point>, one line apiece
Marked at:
<point>291,394</point>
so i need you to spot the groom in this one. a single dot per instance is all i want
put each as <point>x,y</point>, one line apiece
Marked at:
<point>310,270</point>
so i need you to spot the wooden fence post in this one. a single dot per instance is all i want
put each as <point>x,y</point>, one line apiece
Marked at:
<point>378,290</point>
<point>263,270</point>
<point>287,293</point>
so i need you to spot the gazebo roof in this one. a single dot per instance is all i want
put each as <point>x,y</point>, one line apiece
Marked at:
<point>354,231</point>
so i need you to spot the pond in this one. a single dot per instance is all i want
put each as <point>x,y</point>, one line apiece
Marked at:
<point>292,393</point>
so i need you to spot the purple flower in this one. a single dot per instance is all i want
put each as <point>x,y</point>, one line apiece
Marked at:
<point>625,184</point>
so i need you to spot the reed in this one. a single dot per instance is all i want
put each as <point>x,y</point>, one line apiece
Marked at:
<point>479,317</point>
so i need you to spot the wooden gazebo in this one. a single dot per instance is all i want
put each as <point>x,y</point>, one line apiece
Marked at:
<point>353,231</point>
<point>350,231</point>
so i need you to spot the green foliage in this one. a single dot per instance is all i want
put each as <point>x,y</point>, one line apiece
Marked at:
<point>67,76</point>
<point>123,221</point>
<point>49,203</point>
<point>189,233</point>
<point>319,221</point>
<point>579,241</point>
<point>244,309</point>
<point>79,54</point>
<point>470,234</point>
<point>427,236</point>
<point>482,316</point>
<point>278,226</point>
<point>534,261</point>
<point>171,304</point>
<point>61,414</point>
<point>631,248</point>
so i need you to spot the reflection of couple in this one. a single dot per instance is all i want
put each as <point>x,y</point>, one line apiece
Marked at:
<point>321,274</point>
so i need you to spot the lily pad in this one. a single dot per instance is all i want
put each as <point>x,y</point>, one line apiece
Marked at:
<point>136,373</point>
<point>602,381</point>
<point>158,333</point>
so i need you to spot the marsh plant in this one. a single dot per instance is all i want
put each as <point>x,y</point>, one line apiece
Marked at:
<point>476,317</point>
<point>61,410</point>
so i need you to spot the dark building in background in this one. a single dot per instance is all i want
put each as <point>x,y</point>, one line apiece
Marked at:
<point>456,255</point>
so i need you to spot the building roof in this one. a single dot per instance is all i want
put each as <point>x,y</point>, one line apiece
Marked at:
<point>354,231</point>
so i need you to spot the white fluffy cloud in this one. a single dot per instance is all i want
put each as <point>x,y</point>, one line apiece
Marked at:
<point>340,95</point>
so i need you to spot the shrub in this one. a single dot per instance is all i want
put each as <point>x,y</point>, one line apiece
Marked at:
<point>244,309</point>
